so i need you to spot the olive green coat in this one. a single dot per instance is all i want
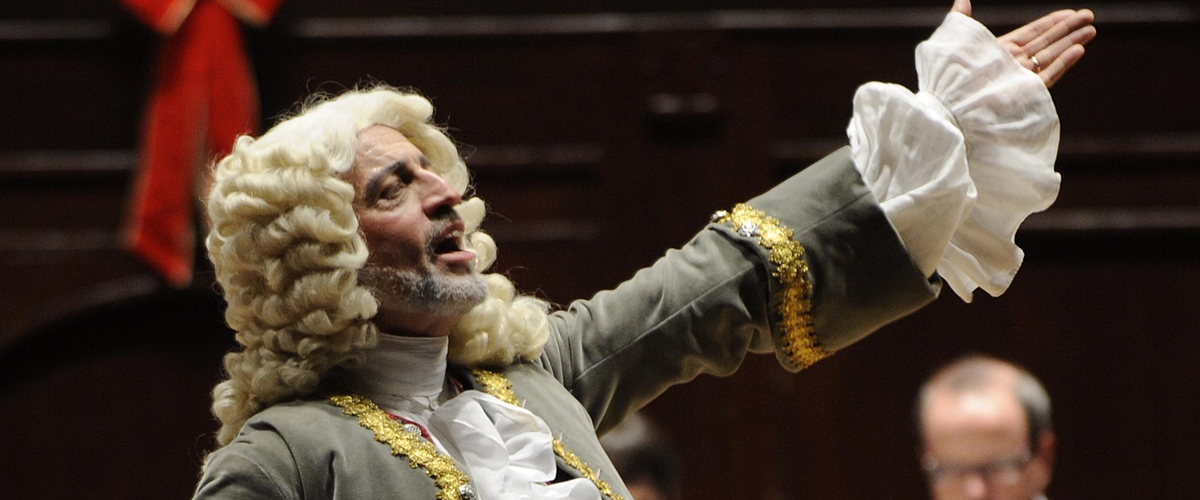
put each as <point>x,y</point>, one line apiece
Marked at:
<point>699,309</point>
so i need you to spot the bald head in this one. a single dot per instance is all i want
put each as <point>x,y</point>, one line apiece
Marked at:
<point>985,430</point>
<point>974,376</point>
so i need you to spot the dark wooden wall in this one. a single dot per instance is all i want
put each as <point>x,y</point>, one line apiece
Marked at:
<point>601,133</point>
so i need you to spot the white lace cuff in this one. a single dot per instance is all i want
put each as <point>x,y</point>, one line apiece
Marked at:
<point>958,166</point>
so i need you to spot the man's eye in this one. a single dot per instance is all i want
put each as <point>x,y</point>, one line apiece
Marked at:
<point>392,191</point>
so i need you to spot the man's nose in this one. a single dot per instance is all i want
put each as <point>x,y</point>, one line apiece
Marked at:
<point>975,486</point>
<point>436,192</point>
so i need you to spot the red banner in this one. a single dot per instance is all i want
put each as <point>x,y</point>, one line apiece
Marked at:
<point>203,97</point>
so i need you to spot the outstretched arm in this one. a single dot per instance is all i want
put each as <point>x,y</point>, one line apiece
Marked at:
<point>803,270</point>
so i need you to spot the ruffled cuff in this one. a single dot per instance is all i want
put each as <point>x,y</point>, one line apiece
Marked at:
<point>1011,128</point>
<point>914,159</point>
<point>958,166</point>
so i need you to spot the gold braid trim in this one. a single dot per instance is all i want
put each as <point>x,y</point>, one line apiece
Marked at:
<point>449,480</point>
<point>793,305</point>
<point>496,385</point>
<point>499,387</point>
<point>573,461</point>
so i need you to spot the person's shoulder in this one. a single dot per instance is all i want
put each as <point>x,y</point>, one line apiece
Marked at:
<point>266,458</point>
<point>299,419</point>
<point>286,431</point>
<point>298,411</point>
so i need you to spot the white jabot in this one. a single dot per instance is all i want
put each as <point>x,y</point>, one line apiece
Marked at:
<point>958,166</point>
<point>510,454</point>
<point>506,450</point>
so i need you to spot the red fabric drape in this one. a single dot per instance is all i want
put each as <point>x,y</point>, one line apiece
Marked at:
<point>203,96</point>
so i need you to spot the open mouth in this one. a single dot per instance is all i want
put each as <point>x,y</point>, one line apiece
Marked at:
<point>447,246</point>
<point>451,242</point>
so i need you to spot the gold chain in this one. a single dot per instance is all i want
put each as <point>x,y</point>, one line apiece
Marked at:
<point>439,467</point>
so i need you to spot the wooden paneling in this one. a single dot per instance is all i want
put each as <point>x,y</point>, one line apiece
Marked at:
<point>108,404</point>
<point>601,133</point>
<point>72,85</point>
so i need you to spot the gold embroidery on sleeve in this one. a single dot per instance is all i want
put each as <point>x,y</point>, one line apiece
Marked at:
<point>793,303</point>
<point>499,387</point>
<point>452,483</point>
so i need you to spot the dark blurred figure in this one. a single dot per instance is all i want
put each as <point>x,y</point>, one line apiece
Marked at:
<point>985,432</point>
<point>644,459</point>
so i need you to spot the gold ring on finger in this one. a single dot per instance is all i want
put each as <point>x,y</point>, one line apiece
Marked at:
<point>1037,67</point>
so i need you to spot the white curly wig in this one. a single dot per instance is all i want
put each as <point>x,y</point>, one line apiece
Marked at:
<point>287,248</point>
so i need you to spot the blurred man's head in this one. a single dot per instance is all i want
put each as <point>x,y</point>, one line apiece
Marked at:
<point>985,432</point>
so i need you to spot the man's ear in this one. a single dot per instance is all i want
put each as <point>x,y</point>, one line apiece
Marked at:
<point>924,458</point>
<point>1046,448</point>
<point>1041,468</point>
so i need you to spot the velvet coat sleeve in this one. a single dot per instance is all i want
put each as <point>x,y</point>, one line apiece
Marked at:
<point>703,307</point>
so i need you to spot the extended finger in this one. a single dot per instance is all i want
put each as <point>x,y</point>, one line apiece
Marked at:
<point>1080,36</point>
<point>1061,30</point>
<point>1052,73</point>
<point>1027,33</point>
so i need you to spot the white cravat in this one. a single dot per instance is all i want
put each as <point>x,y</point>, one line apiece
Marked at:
<point>506,450</point>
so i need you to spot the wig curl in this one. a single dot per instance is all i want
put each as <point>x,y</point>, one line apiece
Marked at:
<point>286,246</point>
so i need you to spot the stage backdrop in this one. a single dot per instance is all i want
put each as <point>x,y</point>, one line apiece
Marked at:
<point>604,132</point>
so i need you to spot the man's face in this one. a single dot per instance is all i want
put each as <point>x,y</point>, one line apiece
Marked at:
<point>977,447</point>
<point>418,267</point>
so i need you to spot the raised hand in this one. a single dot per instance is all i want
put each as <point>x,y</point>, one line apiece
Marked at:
<point>1048,46</point>
<point>1052,44</point>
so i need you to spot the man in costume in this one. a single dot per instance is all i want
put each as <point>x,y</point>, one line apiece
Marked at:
<point>985,431</point>
<point>378,361</point>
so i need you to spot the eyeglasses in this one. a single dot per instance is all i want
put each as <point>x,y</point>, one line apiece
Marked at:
<point>999,472</point>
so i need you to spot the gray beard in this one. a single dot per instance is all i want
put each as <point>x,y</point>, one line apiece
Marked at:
<point>424,292</point>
